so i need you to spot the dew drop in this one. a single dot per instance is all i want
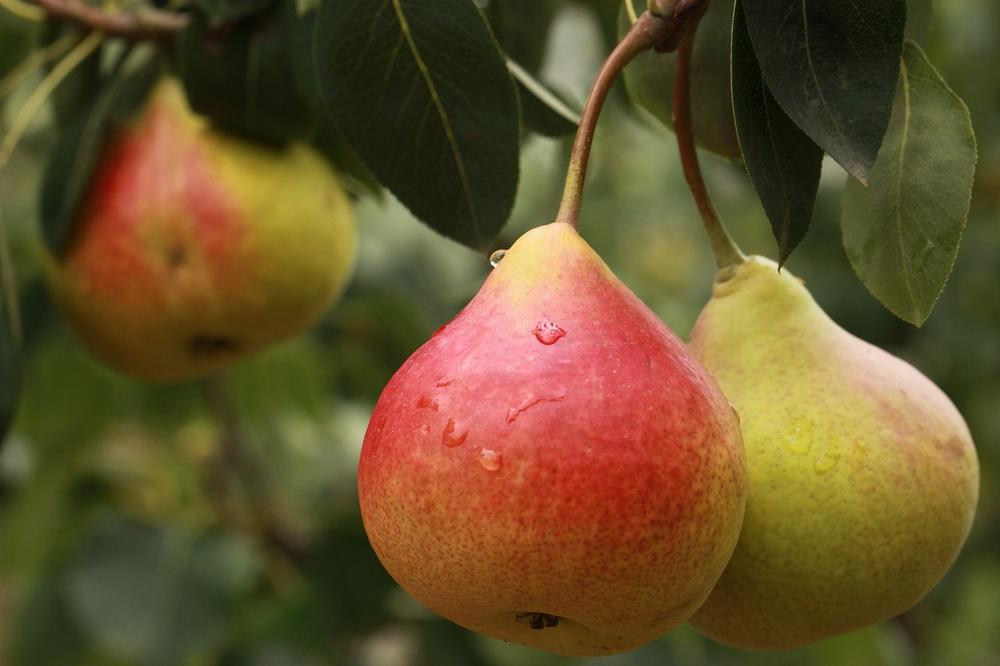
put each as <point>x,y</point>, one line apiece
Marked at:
<point>827,462</point>
<point>426,402</point>
<point>424,429</point>
<point>452,435</point>
<point>548,332</point>
<point>490,459</point>
<point>497,257</point>
<point>533,400</point>
<point>794,445</point>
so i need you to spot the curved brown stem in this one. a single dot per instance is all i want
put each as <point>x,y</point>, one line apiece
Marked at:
<point>725,250</point>
<point>645,33</point>
<point>147,24</point>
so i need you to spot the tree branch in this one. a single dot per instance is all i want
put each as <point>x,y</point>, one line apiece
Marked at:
<point>146,24</point>
<point>236,457</point>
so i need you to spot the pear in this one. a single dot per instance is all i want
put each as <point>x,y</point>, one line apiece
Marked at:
<point>194,248</point>
<point>863,476</point>
<point>552,467</point>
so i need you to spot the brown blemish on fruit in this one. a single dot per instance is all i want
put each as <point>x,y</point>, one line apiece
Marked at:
<point>176,257</point>
<point>211,345</point>
<point>538,620</point>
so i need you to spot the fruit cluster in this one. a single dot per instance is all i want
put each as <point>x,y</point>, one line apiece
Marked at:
<point>553,467</point>
<point>588,493</point>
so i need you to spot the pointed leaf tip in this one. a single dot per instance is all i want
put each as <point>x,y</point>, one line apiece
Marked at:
<point>902,233</point>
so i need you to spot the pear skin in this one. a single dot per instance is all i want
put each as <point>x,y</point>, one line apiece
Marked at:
<point>863,476</point>
<point>194,248</point>
<point>552,467</point>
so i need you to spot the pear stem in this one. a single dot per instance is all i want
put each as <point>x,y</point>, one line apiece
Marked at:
<point>647,31</point>
<point>727,253</point>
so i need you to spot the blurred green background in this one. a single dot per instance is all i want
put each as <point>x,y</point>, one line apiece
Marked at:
<point>123,539</point>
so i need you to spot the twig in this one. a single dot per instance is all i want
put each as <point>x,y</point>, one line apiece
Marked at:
<point>630,10</point>
<point>36,59</point>
<point>237,457</point>
<point>23,10</point>
<point>724,248</point>
<point>146,24</point>
<point>42,92</point>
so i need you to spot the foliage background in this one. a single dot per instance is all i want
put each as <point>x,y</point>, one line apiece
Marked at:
<point>113,549</point>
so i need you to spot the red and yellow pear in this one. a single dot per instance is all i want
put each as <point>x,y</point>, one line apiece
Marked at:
<point>194,248</point>
<point>553,467</point>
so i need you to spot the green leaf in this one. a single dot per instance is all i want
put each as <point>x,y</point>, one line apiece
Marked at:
<point>328,138</point>
<point>332,143</point>
<point>241,76</point>
<point>832,65</point>
<point>919,16</point>
<point>902,232</point>
<point>41,615</point>
<point>69,169</point>
<point>422,92</point>
<point>784,164</point>
<point>17,37</point>
<point>522,28</point>
<point>649,79</point>
<point>542,110</point>
<point>10,337</point>
<point>77,89</point>
<point>153,595</point>
<point>217,12</point>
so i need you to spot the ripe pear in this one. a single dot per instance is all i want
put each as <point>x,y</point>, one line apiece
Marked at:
<point>194,248</point>
<point>552,467</point>
<point>863,475</point>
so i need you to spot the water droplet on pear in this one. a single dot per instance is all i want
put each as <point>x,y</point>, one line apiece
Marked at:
<point>490,459</point>
<point>453,434</point>
<point>548,332</point>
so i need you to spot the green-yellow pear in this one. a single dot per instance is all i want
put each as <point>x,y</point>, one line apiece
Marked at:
<point>194,248</point>
<point>553,467</point>
<point>863,476</point>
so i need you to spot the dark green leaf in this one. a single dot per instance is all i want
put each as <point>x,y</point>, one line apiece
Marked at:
<point>43,615</point>
<point>422,92</point>
<point>919,16</point>
<point>522,28</point>
<point>154,595</point>
<point>224,11</point>
<point>241,75</point>
<point>328,139</point>
<point>784,164</point>
<point>10,337</point>
<point>902,232</point>
<point>17,37</point>
<point>542,110</point>
<point>77,89</point>
<point>832,65</point>
<point>649,79</point>
<point>69,169</point>
<point>332,143</point>
<point>349,583</point>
